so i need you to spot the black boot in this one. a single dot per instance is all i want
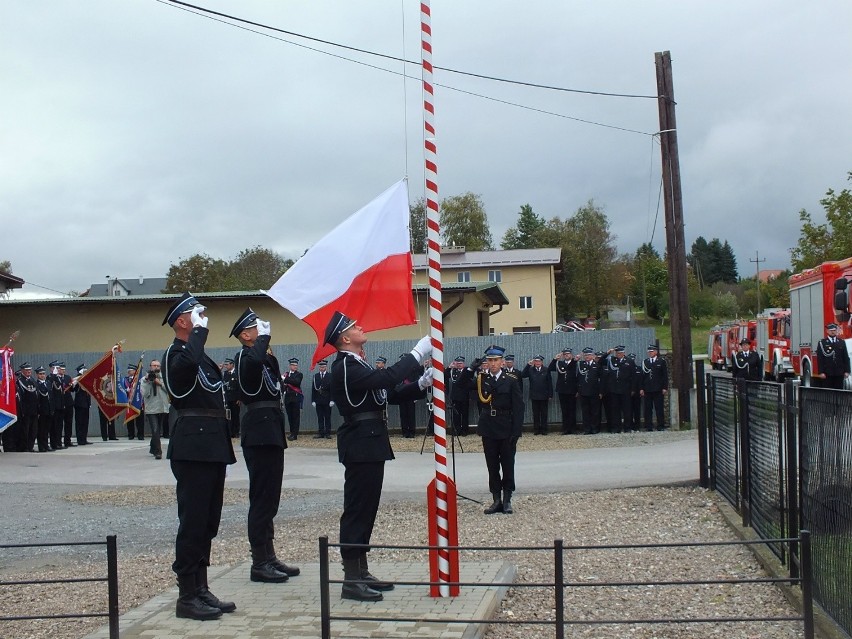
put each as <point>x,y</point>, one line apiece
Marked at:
<point>208,597</point>
<point>262,568</point>
<point>356,591</point>
<point>507,502</point>
<point>372,582</point>
<point>280,566</point>
<point>189,606</point>
<point>496,507</point>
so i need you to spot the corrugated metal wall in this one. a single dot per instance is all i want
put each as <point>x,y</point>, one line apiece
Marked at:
<point>523,347</point>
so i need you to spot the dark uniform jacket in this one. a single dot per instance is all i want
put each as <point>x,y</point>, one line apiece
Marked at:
<point>67,395</point>
<point>832,357</point>
<point>746,365</point>
<point>589,379</point>
<point>45,401</point>
<point>57,399</point>
<point>566,376</point>
<point>358,388</point>
<point>26,391</point>
<point>292,386</point>
<point>321,389</point>
<point>655,377</point>
<point>82,399</point>
<point>501,401</point>
<point>541,385</point>
<point>232,392</point>
<point>257,379</point>
<point>458,392</point>
<point>194,383</point>
<point>618,376</point>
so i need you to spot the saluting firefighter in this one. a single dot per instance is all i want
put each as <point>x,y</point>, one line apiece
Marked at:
<point>199,451</point>
<point>565,367</point>
<point>321,400</point>
<point>589,390</point>
<point>618,379</point>
<point>361,393</point>
<point>257,377</point>
<point>746,363</point>
<point>500,424</point>
<point>541,390</point>
<point>832,359</point>
<point>459,395</point>
<point>654,387</point>
<point>293,397</point>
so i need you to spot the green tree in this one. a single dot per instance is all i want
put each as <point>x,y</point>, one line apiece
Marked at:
<point>254,268</point>
<point>651,283</point>
<point>831,240</point>
<point>417,226</point>
<point>6,266</point>
<point>712,262</point>
<point>465,223</point>
<point>199,273</point>
<point>527,232</point>
<point>589,252</point>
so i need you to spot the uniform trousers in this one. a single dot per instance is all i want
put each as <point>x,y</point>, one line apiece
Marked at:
<point>67,424</point>
<point>107,426</point>
<point>56,426</point>
<point>461,418</point>
<point>407,417</point>
<point>30,430</point>
<point>539,414</point>
<point>81,423</point>
<point>265,466</point>
<point>590,406</point>
<point>568,405</point>
<point>234,426</point>
<point>362,491</point>
<point>294,416</point>
<point>324,419</point>
<point>619,412</point>
<point>654,404</point>
<point>45,423</point>
<point>200,490</point>
<point>500,455</point>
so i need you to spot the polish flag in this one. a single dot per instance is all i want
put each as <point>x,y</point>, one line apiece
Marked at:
<point>362,268</point>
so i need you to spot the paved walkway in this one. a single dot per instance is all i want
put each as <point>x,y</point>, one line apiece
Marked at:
<point>292,609</point>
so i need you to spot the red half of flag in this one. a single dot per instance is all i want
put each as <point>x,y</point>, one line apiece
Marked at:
<point>8,405</point>
<point>100,382</point>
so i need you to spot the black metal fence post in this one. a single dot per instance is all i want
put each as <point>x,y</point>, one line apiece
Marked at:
<point>701,401</point>
<point>325,602</point>
<point>745,473</point>
<point>559,579</point>
<point>791,425</point>
<point>112,585</point>
<point>711,426</point>
<point>807,583</point>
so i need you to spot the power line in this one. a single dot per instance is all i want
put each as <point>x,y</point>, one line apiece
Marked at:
<point>398,59</point>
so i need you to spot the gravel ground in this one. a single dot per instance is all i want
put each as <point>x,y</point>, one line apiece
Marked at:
<point>145,521</point>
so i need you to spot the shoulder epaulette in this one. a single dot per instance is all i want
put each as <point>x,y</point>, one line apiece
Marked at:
<point>511,374</point>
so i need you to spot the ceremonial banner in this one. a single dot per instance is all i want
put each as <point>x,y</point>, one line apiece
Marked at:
<point>134,395</point>
<point>362,268</point>
<point>8,406</point>
<point>102,382</point>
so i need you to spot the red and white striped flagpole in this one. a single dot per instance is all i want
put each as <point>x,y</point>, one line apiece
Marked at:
<point>443,528</point>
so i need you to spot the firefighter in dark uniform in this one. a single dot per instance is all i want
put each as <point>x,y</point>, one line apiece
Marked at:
<point>589,390</point>
<point>321,400</point>
<point>82,406</point>
<point>565,367</point>
<point>67,406</point>
<point>654,387</point>
<point>199,451</point>
<point>293,397</point>
<point>636,398</point>
<point>747,363</point>
<point>232,396</point>
<point>541,390</point>
<point>258,380</point>
<point>618,377</point>
<point>28,414</point>
<point>500,424</point>
<point>363,445</point>
<point>459,399</point>
<point>57,401</point>
<point>832,359</point>
<point>45,410</point>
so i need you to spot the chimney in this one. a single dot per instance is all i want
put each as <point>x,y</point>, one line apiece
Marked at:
<point>141,280</point>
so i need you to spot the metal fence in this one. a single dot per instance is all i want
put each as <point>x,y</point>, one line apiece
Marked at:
<point>782,456</point>
<point>111,580</point>
<point>561,555</point>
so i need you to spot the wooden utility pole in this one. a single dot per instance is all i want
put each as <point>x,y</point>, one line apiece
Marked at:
<point>675,244</point>
<point>757,262</point>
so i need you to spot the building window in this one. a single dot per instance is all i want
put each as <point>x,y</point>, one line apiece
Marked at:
<point>464,276</point>
<point>495,276</point>
<point>526,302</point>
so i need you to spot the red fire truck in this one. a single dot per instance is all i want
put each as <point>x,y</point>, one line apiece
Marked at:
<point>724,341</point>
<point>818,296</point>
<point>773,343</point>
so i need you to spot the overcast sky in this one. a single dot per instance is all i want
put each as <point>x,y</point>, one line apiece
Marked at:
<point>134,134</point>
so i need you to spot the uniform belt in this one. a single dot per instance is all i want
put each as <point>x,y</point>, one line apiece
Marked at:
<point>201,412</point>
<point>493,412</point>
<point>363,417</point>
<point>259,405</point>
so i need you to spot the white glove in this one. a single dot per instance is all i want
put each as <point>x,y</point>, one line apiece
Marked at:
<point>314,404</point>
<point>331,403</point>
<point>426,378</point>
<point>423,349</point>
<point>263,328</point>
<point>197,319</point>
